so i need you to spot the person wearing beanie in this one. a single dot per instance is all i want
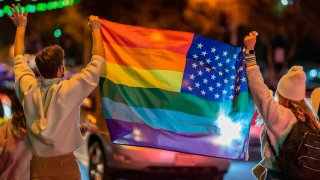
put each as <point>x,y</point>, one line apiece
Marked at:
<point>292,85</point>
<point>279,114</point>
<point>315,100</point>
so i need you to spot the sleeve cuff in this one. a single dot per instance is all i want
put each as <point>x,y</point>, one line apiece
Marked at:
<point>98,57</point>
<point>20,58</point>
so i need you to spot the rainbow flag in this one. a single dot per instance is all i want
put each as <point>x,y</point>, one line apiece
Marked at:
<point>176,91</point>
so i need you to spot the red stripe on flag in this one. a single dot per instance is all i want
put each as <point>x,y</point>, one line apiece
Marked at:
<point>143,37</point>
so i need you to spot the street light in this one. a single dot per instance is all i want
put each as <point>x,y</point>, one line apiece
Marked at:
<point>284,2</point>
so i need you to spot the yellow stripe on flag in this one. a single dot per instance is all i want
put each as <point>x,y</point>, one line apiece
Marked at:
<point>136,77</point>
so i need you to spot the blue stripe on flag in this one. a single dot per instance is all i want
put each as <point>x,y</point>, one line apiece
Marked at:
<point>166,119</point>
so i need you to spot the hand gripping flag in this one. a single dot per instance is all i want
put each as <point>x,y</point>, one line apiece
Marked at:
<point>176,91</point>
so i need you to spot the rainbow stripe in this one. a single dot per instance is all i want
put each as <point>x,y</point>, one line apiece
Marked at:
<point>144,103</point>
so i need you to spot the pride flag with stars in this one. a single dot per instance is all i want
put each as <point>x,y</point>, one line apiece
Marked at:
<point>176,91</point>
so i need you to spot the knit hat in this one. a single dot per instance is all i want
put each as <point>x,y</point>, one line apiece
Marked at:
<point>293,84</point>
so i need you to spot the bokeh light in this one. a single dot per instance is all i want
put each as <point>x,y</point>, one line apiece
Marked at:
<point>57,33</point>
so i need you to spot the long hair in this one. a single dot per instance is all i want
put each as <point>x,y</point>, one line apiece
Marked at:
<point>302,110</point>
<point>18,118</point>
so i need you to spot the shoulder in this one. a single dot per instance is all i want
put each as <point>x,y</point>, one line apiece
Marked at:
<point>315,93</point>
<point>315,98</point>
<point>286,120</point>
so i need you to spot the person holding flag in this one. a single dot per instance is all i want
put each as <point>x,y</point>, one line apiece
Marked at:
<point>284,118</point>
<point>52,104</point>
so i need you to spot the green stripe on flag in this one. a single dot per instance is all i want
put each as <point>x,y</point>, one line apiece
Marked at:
<point>158,98</point>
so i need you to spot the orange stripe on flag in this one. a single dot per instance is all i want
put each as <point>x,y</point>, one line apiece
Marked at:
<point>142,37</point>
<point>149,59</point>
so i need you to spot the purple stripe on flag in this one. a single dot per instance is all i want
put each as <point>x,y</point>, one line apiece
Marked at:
<point>138,134</point>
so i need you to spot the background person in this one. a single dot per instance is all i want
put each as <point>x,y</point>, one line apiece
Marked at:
<point>14,156</point>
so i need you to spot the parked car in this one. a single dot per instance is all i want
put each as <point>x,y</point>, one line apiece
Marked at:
<point>6,89</point>
<point>105,159</point>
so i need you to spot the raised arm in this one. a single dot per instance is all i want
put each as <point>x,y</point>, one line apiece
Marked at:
<point>25,79</point>
<point>274,115</point>
<point>20,21</point>
<point>95,26</point>
<point>82,84</point>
